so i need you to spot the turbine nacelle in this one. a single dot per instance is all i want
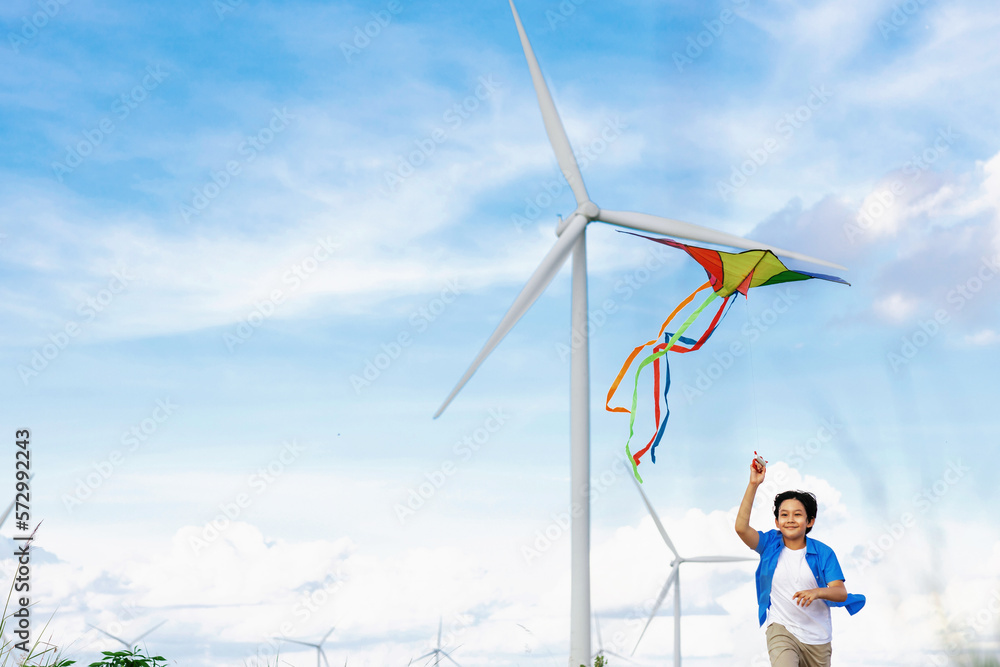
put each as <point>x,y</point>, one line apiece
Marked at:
<point>587,209</point>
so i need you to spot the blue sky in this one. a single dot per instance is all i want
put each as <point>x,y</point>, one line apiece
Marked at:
<point>217,216</point>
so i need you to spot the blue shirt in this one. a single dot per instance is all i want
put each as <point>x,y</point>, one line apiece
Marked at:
<point>821,560</point>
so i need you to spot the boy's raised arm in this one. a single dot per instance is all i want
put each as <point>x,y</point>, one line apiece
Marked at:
<point>743,529</point>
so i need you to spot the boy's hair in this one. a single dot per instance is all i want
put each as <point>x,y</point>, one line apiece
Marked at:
<point>807,499</point>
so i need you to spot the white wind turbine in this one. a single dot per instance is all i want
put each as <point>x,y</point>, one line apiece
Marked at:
<point>600,644</point>
<point>572,238</point>
<point>128,645</point>
<point>320,653</point>
<point>675,581</point>
<point>437,652</point>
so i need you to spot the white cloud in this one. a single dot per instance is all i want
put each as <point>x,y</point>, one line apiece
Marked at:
<point>896,307</point>
<point>983,338</point>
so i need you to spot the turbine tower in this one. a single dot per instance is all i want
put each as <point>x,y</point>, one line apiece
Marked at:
<point>438,651</point>
<point>128,645</point>
<point>320,653</point>
<point>675,579</point>
<point>572,238</point>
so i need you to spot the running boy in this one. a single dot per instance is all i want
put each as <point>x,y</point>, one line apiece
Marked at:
<point>798,578</point>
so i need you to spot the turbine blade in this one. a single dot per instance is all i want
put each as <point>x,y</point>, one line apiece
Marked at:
<point>533,289</point>
<point>440,621</point>
<point>323,653</point>
<point>425,655</point>
<point>656,519</point>
<point>325,636</point>
<point>597,624</point>
<point>718,559</point>
<point>445,654</point>
<point>108,634</point>
<point>136,640</point>
<point>6,513</point>
<point>553,125</point>
<point>619,656</point>
<point>296,641</point>
<point>659,601</point>
<point>685,230</point>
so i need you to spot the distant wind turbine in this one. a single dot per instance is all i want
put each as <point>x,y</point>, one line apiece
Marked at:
<point>674,579</point>
<point>571,234</point>
<point>126,644</point>
<point>600,644</point>
<point>437,652</point>
<point>320,653</point>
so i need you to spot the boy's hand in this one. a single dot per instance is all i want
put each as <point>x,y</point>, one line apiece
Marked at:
<point>805,598</point>
<point>757,472</point>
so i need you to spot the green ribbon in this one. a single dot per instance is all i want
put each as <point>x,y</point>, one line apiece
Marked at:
<point>647,361</point>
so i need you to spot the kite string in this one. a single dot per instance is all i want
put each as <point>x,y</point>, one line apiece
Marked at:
<point>753,378</point>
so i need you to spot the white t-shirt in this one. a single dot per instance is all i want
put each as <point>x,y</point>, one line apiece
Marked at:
<point>810,625</point>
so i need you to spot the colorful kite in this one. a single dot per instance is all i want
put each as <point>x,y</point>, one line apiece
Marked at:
<point>728,273</point>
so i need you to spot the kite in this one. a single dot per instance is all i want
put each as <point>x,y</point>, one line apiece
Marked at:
<point>728,274</point>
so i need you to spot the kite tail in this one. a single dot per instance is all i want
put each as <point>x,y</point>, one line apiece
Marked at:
<point>640,348</point>
<point>650,359</point>
<point>694,345</point>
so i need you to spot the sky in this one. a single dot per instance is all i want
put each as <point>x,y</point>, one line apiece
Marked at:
<point>248,248</point>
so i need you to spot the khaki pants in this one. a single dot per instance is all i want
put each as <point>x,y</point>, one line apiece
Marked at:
<point>787,651</point>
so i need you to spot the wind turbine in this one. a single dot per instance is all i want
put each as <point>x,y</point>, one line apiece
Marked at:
<point>320,653</point>
<point>438,651</point>
<point>572,238</point>
<point>128,645</point>
<point>600,644</point>
<point>675,580</point>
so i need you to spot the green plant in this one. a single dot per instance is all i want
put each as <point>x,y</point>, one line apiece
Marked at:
<point>129,659</point>
<point>983,661</point>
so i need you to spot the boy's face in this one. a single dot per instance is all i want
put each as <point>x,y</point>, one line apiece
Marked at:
<point>791,519</point>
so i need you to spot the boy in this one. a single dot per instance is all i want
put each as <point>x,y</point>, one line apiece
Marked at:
<point>798,578</point>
